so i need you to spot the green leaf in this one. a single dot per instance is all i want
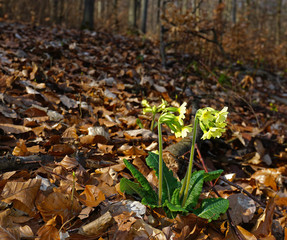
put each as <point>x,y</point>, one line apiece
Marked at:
<point>174,208</point>
<point>211,208</point>
<point>195,188</point>
<point>130,188</point>
<point>212,175</point>
<point>170,183</point>
<point>175,197</point>
<point>139,123</point>
<point>150,193</point>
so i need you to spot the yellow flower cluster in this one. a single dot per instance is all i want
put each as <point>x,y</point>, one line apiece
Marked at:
<point>212,122</point>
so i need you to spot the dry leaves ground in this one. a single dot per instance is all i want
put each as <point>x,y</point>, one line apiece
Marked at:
<point>70,101</point>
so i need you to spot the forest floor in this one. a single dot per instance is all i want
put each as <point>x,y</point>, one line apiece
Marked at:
<point>71,112</point>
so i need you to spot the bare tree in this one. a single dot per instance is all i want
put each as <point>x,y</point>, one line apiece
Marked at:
<point>133,14</point>
<point>88,17</point>
<point>144,15</point>
<point>234,11</point>
<point>278,21</point>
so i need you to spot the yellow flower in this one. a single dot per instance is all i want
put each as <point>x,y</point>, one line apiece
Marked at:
<point>213,132</point>
<point>182,111</point>
<point>222,115</point>
<point>145,103</point>
<point>206,116</point>
<point>182,132</point>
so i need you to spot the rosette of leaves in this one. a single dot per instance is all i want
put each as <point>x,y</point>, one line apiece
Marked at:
<point>210,208</point>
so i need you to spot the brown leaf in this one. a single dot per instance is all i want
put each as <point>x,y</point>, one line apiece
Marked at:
<point>9,234</point>
<point>49,231</point>
<point>246,235</point>
<point>125,221</point>
<point>141,166</point>
<point>69,163</point>
<point>141,230</point>
<point>21,149</point>
<point>35,112</point>
<point>144,132</point>
<point>188,226</point>
<point>92,196</point>
<point>61,150</point>
<point>136,151</point>
<point>267,177</point>
<point>87,140</point>
<point>22,194</point>
<point>58,204</point>
<point>263,226</point>
<point>14,129</point>
<point>70,133</point>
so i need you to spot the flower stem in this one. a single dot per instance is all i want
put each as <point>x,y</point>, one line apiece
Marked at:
<point>152,123</point>
<point>160,166</point>
<point>189,171</point>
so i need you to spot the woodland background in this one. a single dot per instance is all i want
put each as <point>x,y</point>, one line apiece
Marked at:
<point>211,29</point>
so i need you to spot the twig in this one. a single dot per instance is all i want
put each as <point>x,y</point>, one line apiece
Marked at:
<point>236,186</point>
<point>60,176</point>
<point>249,195</point>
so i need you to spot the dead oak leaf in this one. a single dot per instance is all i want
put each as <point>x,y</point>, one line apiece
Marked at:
<point>125,221</point>
<point>92,196</point>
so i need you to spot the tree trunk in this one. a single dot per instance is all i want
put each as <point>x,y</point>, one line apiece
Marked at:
<point>60,16</point>
<point>158,13</point>
<point>234,10</point>
<point>184,6</point>
<point>54,11</point>
<point>144,16</point>
<point>278,21</point>
<point>88,18</point>
<point>133,14</point>
<point>115,11</point>
<point>161,35</point>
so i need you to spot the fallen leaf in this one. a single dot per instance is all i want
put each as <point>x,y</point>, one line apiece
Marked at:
<point>22,194</point>
<point>68,163</point>
<point>15,129</point>
<point>92,196</point>
<point>125,221</point>
<point>262,229</point>
<point>59,204</point>
<point>49,231</point>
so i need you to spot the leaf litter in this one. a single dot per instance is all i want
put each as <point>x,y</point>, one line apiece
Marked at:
<point>70,114</point>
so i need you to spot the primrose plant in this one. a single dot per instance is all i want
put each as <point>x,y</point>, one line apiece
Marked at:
<point>179,196</point>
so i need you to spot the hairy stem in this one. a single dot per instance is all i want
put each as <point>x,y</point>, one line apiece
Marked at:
<point>189,171</point>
